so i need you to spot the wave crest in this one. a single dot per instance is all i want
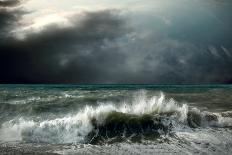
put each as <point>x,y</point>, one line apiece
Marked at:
<point>143,116</point>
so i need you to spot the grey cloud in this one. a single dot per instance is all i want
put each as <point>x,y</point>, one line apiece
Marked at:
<point>73,54</point>
<point>9,16</point>
<point>9,3</point>
<point>105,47</point>
<point>166,60</point>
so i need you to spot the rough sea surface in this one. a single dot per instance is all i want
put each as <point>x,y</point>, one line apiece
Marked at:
<point>115,119</point>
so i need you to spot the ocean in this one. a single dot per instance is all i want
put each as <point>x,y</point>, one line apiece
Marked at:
<point>115,119</point>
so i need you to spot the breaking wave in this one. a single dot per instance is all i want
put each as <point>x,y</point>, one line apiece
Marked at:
<point>144,117</point>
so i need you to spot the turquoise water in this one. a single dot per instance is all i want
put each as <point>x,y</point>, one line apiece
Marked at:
<point>115,86</point>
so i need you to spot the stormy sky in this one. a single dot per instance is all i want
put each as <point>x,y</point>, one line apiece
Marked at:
<point>109,41</point>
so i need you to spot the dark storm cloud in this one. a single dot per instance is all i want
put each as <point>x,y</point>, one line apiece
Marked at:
<point>105,47</point>
<point>72,54</point>
<point>9,3</point>
<point>8,16</point>
<point>177,61</point>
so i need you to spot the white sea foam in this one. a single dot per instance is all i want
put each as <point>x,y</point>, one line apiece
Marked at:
<point>24,101</point>
<point>206,119</point>
<point>12,130</point>
<point>75,128</point>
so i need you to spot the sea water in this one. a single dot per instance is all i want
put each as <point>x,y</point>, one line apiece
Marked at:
<point>116,119</point>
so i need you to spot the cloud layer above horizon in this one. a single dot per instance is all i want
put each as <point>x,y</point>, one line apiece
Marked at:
<point>135,41</point>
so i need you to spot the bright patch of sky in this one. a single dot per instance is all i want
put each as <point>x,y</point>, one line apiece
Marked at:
<point>150,16</point>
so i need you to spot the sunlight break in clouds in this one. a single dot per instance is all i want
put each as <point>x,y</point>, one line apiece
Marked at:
<point>106,41</point>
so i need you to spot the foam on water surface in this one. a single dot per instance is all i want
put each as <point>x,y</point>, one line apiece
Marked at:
<point>75,128</point>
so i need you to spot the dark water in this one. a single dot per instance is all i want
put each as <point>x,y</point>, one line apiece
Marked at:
<point>118,119</point>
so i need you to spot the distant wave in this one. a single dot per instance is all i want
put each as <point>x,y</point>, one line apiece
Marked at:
<point>144,117</point>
